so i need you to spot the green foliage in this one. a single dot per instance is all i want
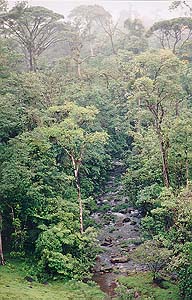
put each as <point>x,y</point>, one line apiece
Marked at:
<point>171,219</point>
<point>88,104</point>
<point>183,265</point>
<point>35,28</point>
<point>64,253</point>
<point>173,33</point>
<point>153,256</point>
<point>141,283</point>
<point>135,40</point>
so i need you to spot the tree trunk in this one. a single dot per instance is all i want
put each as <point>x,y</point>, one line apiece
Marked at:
<point>78,186</point>
<point>79,69</point>
<point>163,149</point>
<point>112,44</point>
<point>91,49</point>
<point>79,199</point>
<point>187,168</point>
<point>80,205</point>
<point>177,108</point>
<point>138,125</point>
<point>2,262</point>
<point>32,62</point>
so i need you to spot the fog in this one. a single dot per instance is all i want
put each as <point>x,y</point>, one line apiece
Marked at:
<point>148,11</point>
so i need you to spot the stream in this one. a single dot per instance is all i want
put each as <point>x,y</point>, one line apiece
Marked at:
<point>118,237</point>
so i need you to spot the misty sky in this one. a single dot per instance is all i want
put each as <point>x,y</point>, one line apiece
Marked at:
<point>149,10</point>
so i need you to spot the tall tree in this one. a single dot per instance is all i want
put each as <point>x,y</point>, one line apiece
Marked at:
<point>158,91</point>
<point>83,16</point>
<point>105,21</point>
<point>35,28</point>
<point>3,6</point>
<point>172,34</point>
<point>71,130</point>
<point>76,37</point>
<point>2,262</point>
<point>135,39</point>
<point>183,5</point>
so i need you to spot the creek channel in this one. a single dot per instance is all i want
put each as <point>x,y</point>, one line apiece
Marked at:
<point>119,234</point>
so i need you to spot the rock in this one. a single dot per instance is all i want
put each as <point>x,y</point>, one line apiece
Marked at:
<point>119,224</point>
<point>125,199</point>
<point>105,201</point>
<point>126,220</point>
<point>133,222</point>
<point>113,284</point>
<point>136,295</point>
<point>107,242</point>
<point>132,247</point>
<point>29,279</point>
<point>123,211</point>
<point>174,277</point>
<point>135,213</point>
<point>106,269</point>
<point>86,279</point>
<point>120,259</point>
<point>158,280</point>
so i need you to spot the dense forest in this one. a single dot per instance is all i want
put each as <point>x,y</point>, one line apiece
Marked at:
<point>79,95</point>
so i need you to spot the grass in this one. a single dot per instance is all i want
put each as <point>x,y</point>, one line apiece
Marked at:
<point>142,284</point>
<point>13,286</point>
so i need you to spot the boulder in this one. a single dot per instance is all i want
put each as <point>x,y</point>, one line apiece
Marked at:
<point>133,222</point>
<point>126,220</point>
<point>107,242</point>
<point>29,279</point>
<point>106,269</point>
<point>120,259</point>
<point>135,213</point>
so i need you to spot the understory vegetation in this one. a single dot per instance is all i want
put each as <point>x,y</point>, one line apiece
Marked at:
<point>76,95</point>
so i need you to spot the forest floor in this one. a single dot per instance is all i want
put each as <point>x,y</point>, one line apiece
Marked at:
<point>14,286</point>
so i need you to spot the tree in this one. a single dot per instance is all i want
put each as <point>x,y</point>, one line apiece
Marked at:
<point>135,39</point>
<point>3,6</point>
<point>70,130</point>
<point>181,4</point>
<point>83,16</point>
<point>172,34</point>
<point>35,28</point>
<point>2,262</point>
<point>76,39</point>
<point>154,256</point>
<point>134,27</point>
<point>180,152</point>
<point>105,21</point>
<point>183,266</point>
<point>158,91</point>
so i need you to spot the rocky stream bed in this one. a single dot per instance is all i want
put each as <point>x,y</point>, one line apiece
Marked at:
<point>119,235</point>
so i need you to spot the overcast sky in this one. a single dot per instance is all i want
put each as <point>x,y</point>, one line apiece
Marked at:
<point>150,10</point>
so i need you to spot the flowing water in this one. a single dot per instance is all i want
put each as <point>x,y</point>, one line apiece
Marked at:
<point>118,237</point>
